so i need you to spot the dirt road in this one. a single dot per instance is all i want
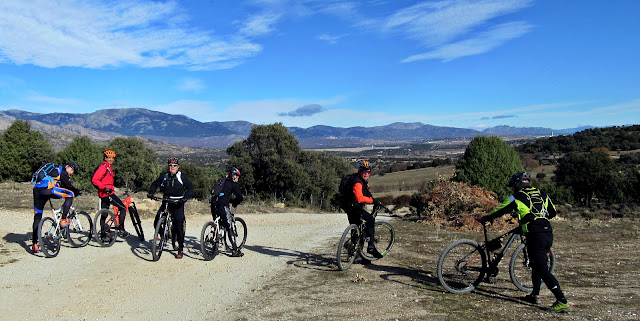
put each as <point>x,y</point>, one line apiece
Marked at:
<point>121,282</point>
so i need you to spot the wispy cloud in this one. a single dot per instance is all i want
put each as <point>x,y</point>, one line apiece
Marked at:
<point>49,100</point>
<point>190,84</point>
<point>331,39</point>
<point>306,110</point>
<point>98,35</point>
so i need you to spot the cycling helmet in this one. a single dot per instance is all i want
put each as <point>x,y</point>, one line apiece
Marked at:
<point>520,177</point>
<point>364,165</point>
<point>109,153</point>
<point>173,160</point>
<point>234,171</point>
<point>73,165</point>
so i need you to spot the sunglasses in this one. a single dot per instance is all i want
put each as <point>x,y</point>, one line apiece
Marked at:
<point>174,165</point>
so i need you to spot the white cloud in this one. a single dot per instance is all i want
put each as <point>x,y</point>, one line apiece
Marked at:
<point>259,24</point>
<point>191,84</point>
<point>331,39</point>
<point>49,100</point>
<point>96,35</point>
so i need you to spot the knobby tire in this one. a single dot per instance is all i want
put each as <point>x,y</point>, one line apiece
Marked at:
<point>520,268</point>
<point>110,235</point>
<point>80,229</point>
<point>209,241</point>
<point>159,238</point>
<point>348,247</point>
<point>48,238</point>
<point>461,266</point>
<point>384,238</point>
<point>239,228</point>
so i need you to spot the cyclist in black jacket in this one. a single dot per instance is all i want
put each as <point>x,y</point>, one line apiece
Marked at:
<point>220,205</point>
<point>175,185</point>
<point>534,209</point>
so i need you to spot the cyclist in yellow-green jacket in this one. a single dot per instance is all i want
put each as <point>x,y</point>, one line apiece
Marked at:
<point>533,209</point>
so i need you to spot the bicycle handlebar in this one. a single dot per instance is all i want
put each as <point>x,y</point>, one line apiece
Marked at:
<point>167,199</point>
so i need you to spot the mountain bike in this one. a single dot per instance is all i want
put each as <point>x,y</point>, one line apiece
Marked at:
<point>354,239</point>
<point>108,233</point>
<point>213,235</point>
<point>78,233</point>
<point>464,263</point>
<point>164,227</point>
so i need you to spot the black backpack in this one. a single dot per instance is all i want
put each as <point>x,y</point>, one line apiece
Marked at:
<point>42,172</point>
<point>345,191</point>
<point>217,189</point>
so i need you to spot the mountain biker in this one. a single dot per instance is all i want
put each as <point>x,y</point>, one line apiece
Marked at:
<point>103,179</point>
<point>533,209</point>
<point>55,184</point>
<point>220,206</point>
<point>175,185</point>
<point>356,198</point>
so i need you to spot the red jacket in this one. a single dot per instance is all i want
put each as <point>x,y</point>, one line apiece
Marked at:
<point>103,178</point>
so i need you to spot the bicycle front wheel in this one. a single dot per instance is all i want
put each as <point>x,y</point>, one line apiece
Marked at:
<point>461,266</point>
<point>209,241</point>
<point>384,237</point>
<point>48,237</point>
<point>239,228</point>
<point>348,247</point>
<point>520,268</point>
<point>80,229</point>
<point>135,220</point>
<point>104,234</point>
<point>159,238</point>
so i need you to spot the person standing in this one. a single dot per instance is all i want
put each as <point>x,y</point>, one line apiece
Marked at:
<point>534,209</point>
<point>175,185</point>
<point>103,179</point>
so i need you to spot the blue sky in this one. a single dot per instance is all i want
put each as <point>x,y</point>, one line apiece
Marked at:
<point>469,64</point>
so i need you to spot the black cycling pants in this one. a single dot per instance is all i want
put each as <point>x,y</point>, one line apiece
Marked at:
<point>538,247</point>
<point>356,214</point>
<point>40,198</point>
<point>179,222</point>
<point>226,219</point>
<point>115,200</point>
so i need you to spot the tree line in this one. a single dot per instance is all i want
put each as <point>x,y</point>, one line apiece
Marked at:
<point>274,167</point>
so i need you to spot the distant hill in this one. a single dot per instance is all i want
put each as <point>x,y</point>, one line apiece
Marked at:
<point>105,124</point>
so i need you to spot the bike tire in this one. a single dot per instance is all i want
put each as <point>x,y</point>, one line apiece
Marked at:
<point>111,235</point>
<point>384,238</point>
<point>348,247</point>
<point>239,228</point>
<point>520,268</point>
<point>461,266</point>
<point>135,220</point>
<point>80,229</point>
<point>48,238</point>
<point>209,241</point>
<point>159,238</point>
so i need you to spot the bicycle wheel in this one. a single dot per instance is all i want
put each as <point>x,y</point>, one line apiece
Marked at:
<point>239,228</point>
<point>461,266</point>
<point>80,229</point>
<point>384,237</point>
<point>209,241</point>
<point>135,220</point>
<point>105,235</point>
<point>520,268</point>
<point>348,247</point>
<point>48,237</point>
<point>159,238</point>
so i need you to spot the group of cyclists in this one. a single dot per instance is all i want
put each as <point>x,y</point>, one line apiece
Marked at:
<point>532,207</point>
<point>174,184</point>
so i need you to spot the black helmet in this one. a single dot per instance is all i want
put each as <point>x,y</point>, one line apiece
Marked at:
<point>364,165</point>
<point>234,171</point>
<point>73,165</point>
<point>520,177</point>
<point>173,160</point>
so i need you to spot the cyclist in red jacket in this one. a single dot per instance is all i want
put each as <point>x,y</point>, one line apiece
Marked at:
<point>103,179</point>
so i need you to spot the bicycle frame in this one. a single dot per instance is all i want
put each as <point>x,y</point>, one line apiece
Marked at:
<point>494,260</point>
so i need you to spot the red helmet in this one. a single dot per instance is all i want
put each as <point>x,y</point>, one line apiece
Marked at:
<point>173,160</point>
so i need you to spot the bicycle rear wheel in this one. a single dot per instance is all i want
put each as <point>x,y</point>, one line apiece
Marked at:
<point>384,237</point>
<point>80,229</point>
<point>105,235</point>
<point>239,228</point>
<point>348,247</point>
<point>520,268</point>
<point>135,220</point>
<point>461,266</point>
<point>209,241</point>
<point>159,238</point>
<point>48,237</point>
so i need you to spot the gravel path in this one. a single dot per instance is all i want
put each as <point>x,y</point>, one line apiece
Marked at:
<point>121,282</point>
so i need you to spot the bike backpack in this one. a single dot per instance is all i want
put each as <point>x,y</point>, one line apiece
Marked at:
<point>345,191</point>
<point>42,172</point>
<point>216,190</point>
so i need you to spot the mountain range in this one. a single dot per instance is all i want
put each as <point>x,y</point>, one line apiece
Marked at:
<point>105,124</point>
